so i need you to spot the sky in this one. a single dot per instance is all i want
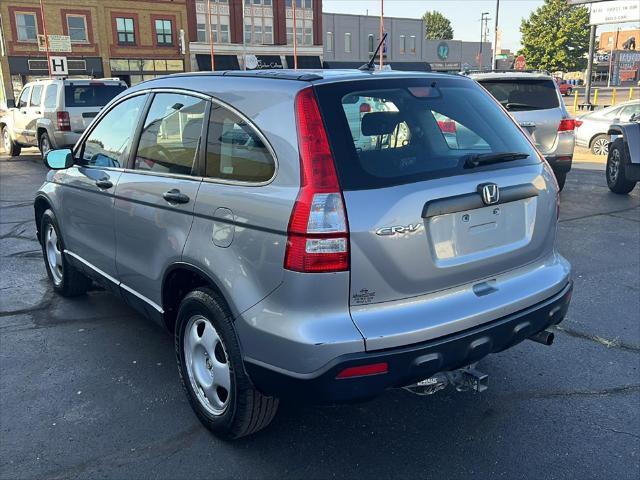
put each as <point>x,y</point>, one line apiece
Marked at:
<point>464,14</point>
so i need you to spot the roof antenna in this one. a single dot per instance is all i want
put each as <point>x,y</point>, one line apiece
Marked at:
<point>367,67</point>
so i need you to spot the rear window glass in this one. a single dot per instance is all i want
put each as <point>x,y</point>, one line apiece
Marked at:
<point>90,95</point>
<point>520,95</point>
<point>389,132</point>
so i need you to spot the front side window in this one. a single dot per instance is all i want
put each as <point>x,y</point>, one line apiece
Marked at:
<point>126,31</point>
<point>77,28</point>
<point>109,143</point>
<point>36,96</point>
<point>235,151</point>
<point>628,111</point>
<point>389,132</point>
<point>24,97</point>
<point>164,32</point>
<point>26,27</point>
<point>171,134</point>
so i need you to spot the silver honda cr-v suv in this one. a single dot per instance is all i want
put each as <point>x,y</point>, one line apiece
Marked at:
<point>320,235</point>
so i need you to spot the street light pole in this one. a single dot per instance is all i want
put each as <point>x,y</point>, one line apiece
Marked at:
<point>495,38</point>
<point>210,30</point>
<point>482,32</point>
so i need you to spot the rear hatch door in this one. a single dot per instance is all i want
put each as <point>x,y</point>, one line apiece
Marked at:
<point>84,99</point>
<point>534,104</point>
<point>418,220</point>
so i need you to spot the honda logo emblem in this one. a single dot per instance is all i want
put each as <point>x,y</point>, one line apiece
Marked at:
<point>490,193</point>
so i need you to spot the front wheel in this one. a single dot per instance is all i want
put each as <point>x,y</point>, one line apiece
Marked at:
<point>600,145</point>
<point>211,369</point>
<point>10,147</point>
<point>67,280</point>
<point>617,162</point>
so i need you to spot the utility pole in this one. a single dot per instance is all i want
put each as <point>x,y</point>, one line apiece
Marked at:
<point>381,33</point>
<point>46,36</point>
<point>295,37</point>
<point>495,38</point>
<point>210,30</point>
<point>482,35</point>
<point>592,43</point>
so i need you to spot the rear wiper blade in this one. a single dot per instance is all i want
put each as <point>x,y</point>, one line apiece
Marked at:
<point>476,159</point>
<point>512,105</point>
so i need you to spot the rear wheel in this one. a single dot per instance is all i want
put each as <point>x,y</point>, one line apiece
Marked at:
<point>211,369</point>
<point>44,143</point>
<point>10,147</point>
<point>561,178</point>
<point>600,145</point>
<point>67,280</point>
<point>617,162</point>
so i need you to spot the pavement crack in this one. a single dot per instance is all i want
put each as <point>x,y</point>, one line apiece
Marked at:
<point>615,343</point>
<point>590,393</point>
<point>598,214</point>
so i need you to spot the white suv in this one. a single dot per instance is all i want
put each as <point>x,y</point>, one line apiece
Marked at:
<point>53,113</point>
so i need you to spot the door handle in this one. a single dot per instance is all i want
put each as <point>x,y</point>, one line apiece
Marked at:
<point>104,183</point>
<point>175,196</point>
<point>37,112</point>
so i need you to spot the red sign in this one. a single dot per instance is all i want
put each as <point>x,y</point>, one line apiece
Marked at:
<point>520,63</point>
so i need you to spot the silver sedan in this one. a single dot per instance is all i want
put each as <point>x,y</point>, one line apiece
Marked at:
<point>591,128</point>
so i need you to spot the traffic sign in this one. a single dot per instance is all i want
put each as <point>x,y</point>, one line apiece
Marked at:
<point>58,66</point>
<point>520,63</point>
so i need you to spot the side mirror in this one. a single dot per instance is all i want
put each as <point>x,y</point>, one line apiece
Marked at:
<point>59,159</point>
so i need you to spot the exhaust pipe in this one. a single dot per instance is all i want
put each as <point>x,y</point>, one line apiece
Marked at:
<point>545,337</point>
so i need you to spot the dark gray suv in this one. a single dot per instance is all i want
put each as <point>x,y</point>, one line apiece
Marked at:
<point>316,235</point>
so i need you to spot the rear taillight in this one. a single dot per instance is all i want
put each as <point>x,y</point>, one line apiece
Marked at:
<point>567,125</point>
<point>578,122</point>
<point>318,235</point>
<point>64,122</point>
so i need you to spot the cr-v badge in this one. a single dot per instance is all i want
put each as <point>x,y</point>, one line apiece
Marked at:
<point>412,227</point>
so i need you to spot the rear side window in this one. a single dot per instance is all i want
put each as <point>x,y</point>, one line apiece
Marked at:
<point>395,131</point>
<point>235,151</point>
<point>36,96</point>
<point>171,134</point>
<point>51,96</point>
<point>108,144</point>
<point>93,95</point>
<point>520,95</point>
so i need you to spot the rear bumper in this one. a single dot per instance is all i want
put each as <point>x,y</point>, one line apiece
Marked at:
<point>64,139</point>
<point>409,364</point>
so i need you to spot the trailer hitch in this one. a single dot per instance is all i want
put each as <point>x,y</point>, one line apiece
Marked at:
<point>463,380</point>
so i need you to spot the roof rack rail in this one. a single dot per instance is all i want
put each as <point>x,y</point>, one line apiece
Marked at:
<point>508,70</point>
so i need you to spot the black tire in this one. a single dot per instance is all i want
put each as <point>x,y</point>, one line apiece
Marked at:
<point>44,144</point>
<point>617,161</point>
<point>247,410</point>
<point>68,281</point>
<point>561,178</point>
<point>597,144</point>
<point>10,147</point>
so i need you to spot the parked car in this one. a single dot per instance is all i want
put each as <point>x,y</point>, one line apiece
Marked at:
<point>289,257</point>
<point>592,127</point>
<point>534,100</point>
<point>565,87</point>
<point>623,160</point>
<point>54,113</point>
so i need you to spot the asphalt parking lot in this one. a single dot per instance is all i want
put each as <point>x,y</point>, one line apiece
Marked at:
<point>89,389</point>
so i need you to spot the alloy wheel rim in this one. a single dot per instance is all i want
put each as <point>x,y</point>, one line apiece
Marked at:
<point>207,365</point>
<point>54,255</point>
<point>601,146</point>
<point>5,140</point>
<point>614,166</point>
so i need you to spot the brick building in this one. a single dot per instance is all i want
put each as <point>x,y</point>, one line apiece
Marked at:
<point>260,28</point>
<point>607,39</point>
<point>130,39</point>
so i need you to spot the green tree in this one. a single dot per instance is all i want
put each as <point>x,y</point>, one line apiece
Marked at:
<point>437,26</point>
<point>555,37</point>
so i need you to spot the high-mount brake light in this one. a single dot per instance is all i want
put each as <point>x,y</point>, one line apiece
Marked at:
<point>318,234</point>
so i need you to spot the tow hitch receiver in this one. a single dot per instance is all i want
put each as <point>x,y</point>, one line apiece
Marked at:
<point>464,379</point>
